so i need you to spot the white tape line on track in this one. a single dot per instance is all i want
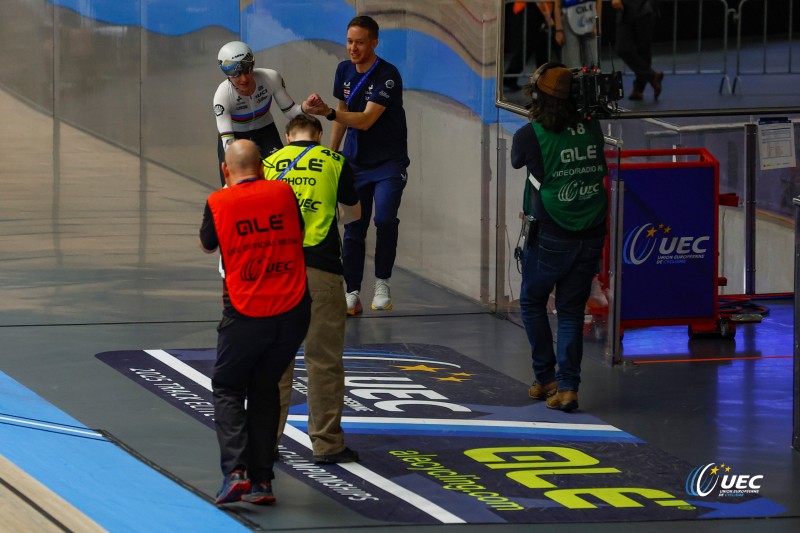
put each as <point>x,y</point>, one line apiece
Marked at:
<point>356,469</point>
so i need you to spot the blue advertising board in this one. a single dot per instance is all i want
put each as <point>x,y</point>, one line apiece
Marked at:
<point>669,242</point>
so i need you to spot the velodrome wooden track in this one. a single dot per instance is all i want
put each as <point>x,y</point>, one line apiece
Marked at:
<point>27,505</point>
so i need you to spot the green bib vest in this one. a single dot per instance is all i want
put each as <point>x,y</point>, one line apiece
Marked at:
<point>572,189</point>
<point>315,181</point>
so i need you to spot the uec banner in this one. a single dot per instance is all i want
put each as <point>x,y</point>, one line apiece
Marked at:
<point>669,244</point>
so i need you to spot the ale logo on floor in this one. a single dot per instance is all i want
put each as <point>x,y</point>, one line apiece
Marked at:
<point>704,480</point>
<point>446,439</point>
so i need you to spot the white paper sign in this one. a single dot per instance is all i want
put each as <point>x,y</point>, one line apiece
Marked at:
<point>776,145</point>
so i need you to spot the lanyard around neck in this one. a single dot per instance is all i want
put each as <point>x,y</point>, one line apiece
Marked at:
<point>362,80</point>
<point>294,162</point>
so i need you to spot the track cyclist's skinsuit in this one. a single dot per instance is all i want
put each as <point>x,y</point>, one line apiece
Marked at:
<point>249,117</point>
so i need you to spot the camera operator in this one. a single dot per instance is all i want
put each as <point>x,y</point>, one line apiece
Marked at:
<point>565,206</point>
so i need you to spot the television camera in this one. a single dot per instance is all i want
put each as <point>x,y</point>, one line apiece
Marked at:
<point>596,93</point>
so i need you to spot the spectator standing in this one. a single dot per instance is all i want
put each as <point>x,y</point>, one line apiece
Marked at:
<point>528,23</point>
<point>635,26</point>
<point>577,27</point>
<point>266,310</point>
<point>322,180</point>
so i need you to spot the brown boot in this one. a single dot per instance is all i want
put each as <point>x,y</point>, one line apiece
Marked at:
<point>658,77</point>
<point>563,400</point>
<point>542,392</point>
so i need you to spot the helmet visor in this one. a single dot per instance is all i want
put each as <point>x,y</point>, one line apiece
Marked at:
<point>233,69</point>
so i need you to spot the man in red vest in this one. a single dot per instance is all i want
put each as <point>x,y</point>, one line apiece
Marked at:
<point>257,227</point>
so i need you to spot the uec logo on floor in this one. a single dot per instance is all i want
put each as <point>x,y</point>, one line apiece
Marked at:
<point>702,481</point>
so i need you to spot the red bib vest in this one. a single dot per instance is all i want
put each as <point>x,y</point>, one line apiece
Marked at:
<point>259,234</point>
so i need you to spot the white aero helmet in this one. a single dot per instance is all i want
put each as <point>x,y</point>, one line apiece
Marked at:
<point>236,58</point>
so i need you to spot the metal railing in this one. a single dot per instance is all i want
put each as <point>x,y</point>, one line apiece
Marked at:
<point>780,42</point>
<point>702,50</point>
<point>703,54</point>
<point>676,45</point>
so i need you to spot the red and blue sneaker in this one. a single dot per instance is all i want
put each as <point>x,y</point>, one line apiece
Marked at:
<point>233,487</point>
<point>260,494</point>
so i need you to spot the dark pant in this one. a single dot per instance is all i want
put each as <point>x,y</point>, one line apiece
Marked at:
<point>535,43</point>
<point>569,266</point>
<point>267,138</point>
<point>386,194</point>
<point>634,45</point>
<point>252,354</point>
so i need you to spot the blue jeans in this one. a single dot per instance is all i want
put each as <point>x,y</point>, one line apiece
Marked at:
<point>386,194</point>
<point>569,266</point>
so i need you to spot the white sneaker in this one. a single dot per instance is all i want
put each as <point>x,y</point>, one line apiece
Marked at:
<point>597,298</point>
<point>382,301</point>
<point>353,303</point>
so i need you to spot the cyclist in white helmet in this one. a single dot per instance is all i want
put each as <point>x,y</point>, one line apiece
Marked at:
<point>243,102</point>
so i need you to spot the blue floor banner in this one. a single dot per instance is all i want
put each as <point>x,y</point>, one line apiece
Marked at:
<point>445,439</point>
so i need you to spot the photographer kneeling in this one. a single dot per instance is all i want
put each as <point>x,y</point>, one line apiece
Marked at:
<point>565,204</point>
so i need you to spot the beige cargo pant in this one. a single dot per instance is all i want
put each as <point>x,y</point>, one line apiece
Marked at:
<point>323,347</point>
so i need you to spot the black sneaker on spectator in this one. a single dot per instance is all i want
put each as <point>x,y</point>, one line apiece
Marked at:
<point>345,456</point>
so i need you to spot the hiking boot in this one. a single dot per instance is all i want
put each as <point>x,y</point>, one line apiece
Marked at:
<point>345,456</point>
<point>382,301</point>
<point>233,486</point>
<point>566,401</point>
<point>260,494</point>
<point>353,303</point>
<point>542,392</point>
